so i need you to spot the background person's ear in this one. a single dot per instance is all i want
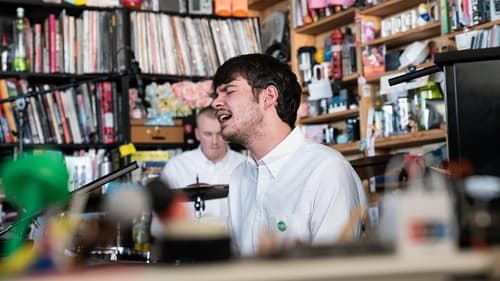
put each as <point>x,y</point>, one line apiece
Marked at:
<point>197,133</point>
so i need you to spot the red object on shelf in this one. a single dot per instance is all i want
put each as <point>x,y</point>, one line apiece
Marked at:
<point>337,38</point>
<point>131,4</point>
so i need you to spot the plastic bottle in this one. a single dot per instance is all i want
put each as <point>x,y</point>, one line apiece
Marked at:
<point>20,58</point>
<point>348,53</point>
<point>336,50</point>
<point>141,233</point>
<point>105,168</point>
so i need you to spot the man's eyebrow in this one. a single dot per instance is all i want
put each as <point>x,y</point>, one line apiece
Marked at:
<point>224,88</point>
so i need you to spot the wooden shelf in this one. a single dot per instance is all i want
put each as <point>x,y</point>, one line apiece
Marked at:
<point>424,32</point>
<point>346,80</point>
<point>391,7</point>
<point>172,78</point>
<point>347,148</point>
<point>350,79</point>
<point>328,23</point>
<point>376,79</point>
<point>412,139</point>
<point>475,27</point>
<point>28,146</point>
<point>261,4</point>
<point>331,117</point>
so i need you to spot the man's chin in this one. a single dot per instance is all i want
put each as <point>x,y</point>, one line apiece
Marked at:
<point>233,138</point>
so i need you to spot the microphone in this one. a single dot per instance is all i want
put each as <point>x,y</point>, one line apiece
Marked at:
<point>136,69</point>
<point>415,74</point>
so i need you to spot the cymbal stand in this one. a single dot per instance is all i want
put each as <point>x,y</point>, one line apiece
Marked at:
<point>199,205</point>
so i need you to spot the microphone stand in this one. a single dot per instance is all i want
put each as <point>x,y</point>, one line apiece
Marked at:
<point>415,74</point>
<point>20,99</point>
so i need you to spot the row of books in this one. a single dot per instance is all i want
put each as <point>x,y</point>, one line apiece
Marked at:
<point>83,167</point>
<point>69,44</point>
<point>477,39</point>
<point>177,45</point>
<point>87,114</point>
<point>458,14</point>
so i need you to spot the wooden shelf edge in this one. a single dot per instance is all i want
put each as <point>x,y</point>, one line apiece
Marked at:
<point>261,4</point>
<point>346,80</point>
<point>390,7</point>
<point>331,117</point>
<point>72,146</point>
<point>412,139</point>
<point>423,32</point>
<point>376,79</point>
<point>328,23</point>
<point>347,148</point>
<point>350,78</point>
<point>475,27</point>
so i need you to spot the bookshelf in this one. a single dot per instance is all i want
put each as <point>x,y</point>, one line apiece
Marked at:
<point>99,43</point>
<point>315,33</point>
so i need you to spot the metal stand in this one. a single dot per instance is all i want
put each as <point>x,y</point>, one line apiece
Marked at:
<point>199,206</point>
<point>21,110</point>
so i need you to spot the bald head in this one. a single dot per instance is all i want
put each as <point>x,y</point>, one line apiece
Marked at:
<point>208,133</point>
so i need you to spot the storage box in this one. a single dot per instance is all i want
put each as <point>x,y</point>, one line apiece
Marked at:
<point>140,133</point>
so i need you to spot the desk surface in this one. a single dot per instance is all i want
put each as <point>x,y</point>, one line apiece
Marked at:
<point>435,267</point>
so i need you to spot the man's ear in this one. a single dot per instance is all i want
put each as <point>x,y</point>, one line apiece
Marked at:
<point>271,95</point>
<point>197,133</point>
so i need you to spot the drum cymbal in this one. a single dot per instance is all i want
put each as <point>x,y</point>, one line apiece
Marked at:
<point>204,190</point>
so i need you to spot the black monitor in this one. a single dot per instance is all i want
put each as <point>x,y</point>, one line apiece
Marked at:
<point>472,105</point>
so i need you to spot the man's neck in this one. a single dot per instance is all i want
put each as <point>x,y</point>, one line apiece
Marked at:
<point>268,139</point>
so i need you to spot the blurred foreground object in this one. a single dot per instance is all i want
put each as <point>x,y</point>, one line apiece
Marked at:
<point>184,240</point>
<point>32,183</point>
<point>419,220</point>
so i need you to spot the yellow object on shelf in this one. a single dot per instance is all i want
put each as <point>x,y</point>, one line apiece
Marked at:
<point>127,149</point>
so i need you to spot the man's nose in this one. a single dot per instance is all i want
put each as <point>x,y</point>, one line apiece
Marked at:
<point>218,102</point>
<point>215,138</point>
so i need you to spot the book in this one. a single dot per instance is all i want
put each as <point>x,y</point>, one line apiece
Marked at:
<point>80,171</point>
<point>8,109</point>
<point>373,59</point>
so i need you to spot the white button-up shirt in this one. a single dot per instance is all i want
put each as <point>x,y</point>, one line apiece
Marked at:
<point>183,169</point>
<point>300,191</point>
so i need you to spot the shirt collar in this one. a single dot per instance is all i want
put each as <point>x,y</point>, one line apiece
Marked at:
<point>277,157</point>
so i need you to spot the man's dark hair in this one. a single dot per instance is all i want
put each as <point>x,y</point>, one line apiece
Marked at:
<point>262,71</point>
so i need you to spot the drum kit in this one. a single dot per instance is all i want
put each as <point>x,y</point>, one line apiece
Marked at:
<point>199,240</point>
<point>121,248</point>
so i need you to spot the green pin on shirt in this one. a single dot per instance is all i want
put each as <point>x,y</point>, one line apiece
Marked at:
<point>282,226</point>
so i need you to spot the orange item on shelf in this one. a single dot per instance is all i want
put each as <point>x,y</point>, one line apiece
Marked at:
<point>223,8</point>
<point>240,8</point>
